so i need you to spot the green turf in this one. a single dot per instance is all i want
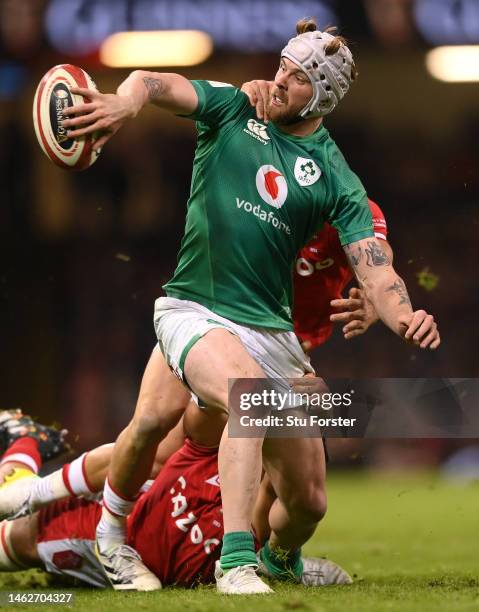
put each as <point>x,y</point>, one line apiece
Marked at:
<point>412,544</point>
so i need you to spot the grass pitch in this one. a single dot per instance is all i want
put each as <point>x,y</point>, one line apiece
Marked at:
<point>411,543</point>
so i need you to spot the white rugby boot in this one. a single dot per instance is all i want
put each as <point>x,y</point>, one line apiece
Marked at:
<point>15,494</point>
<point>242,580</point>
<point>125,570</point>
<point>316,572</point>
<point>323,572</point>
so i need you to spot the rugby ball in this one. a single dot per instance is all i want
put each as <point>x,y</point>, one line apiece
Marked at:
<point>51,97</point>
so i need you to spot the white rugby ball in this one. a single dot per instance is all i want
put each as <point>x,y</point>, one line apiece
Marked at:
<point>52,96</point>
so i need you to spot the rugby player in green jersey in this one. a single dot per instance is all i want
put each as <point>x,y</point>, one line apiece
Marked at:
<point>258,194</point>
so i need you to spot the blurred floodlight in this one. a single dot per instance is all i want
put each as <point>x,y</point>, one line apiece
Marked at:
<point>454,64</point>
<point>162,48</point>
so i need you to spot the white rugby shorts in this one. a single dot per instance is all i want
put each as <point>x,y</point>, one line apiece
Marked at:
<point>179,324</point>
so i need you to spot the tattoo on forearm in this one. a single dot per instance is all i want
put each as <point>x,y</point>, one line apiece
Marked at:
<point>400,288</point>
<point>354,254</point>
<point>376,256</point>
<point>155,87</point>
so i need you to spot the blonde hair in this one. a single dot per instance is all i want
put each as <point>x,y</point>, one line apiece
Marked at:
<point>309,24</point>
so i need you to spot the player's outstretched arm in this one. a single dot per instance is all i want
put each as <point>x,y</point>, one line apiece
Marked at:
<point>107,113</point>
<point>388,294</point>
<point>356,312</point>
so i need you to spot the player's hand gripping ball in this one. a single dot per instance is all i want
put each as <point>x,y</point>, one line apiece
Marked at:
<point>53,95</point>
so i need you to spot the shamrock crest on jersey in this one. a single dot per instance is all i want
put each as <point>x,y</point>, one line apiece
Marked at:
<point>306,171</point>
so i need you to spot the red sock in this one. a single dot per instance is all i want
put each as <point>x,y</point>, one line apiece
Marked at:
<point>24,450</point>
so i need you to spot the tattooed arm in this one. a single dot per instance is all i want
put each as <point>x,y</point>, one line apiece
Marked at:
<point>372,265</point>
<point>106,113</point>
<point>167,90</point>
<point>356,312</point>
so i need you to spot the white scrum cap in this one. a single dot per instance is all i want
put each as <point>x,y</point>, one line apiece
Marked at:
<point>330,75</point>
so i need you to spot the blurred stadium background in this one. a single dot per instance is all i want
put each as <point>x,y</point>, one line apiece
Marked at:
<point>83,256</point>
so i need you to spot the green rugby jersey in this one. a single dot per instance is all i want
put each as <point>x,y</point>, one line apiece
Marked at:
<point>257,196</point>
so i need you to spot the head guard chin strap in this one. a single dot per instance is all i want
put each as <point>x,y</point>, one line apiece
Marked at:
<point>330,75</point>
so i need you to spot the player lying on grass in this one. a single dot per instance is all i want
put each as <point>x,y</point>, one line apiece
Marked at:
<point>176,525</point>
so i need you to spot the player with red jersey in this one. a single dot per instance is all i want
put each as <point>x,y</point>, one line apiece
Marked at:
<point>320,276</point>
<point>176,525</point>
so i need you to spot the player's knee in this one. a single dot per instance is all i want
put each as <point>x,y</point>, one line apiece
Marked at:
<point>315,506</point>
<point>152,421</point>
<point>148,424</point>
<point>309,507</point>
<point>141,428</point>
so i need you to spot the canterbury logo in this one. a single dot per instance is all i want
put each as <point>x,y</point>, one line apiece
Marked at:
<point>257,130</point>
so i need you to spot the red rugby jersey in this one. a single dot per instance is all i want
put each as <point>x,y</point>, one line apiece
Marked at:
<point>321,274</point>
<point>177,526</point>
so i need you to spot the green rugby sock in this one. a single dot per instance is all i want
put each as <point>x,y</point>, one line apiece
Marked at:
<point>282,564</point>
<point>238,549</point>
